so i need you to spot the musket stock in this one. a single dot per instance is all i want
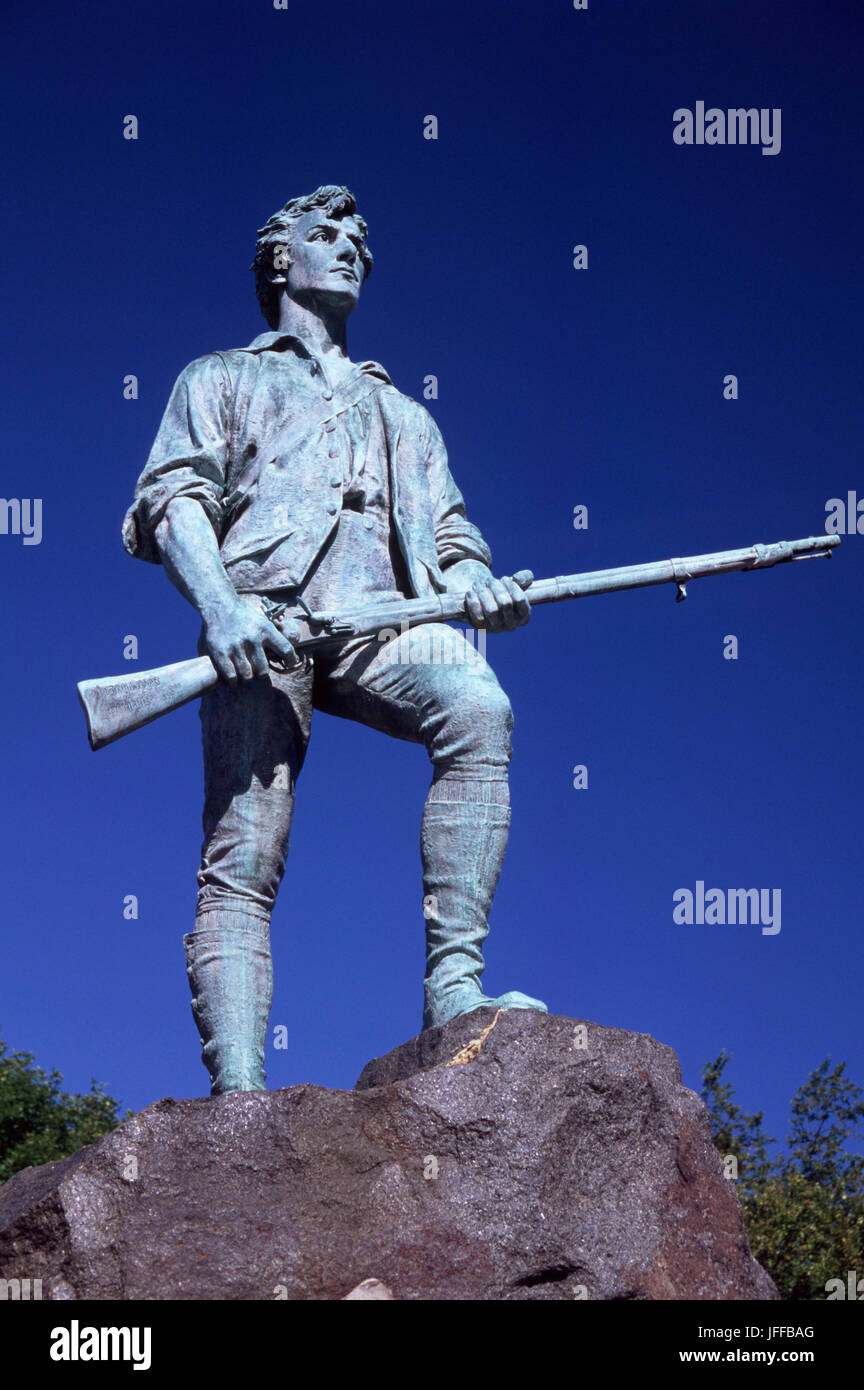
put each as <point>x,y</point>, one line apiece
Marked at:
<point>116,705</point>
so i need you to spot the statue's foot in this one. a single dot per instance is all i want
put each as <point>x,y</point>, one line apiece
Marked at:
<point>464,1001</point>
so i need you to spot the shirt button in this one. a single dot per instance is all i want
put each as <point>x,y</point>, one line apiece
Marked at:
<point>368,523</point>
<point>333,454</point>
<point>335,482</point>
<point>332,509</point>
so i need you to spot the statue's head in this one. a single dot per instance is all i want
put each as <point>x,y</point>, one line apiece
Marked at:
<point>313,246</point>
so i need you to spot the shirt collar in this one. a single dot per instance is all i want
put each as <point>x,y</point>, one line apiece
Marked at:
<point>268,340</point>
<point>275,339</point>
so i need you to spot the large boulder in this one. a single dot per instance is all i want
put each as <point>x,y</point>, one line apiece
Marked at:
<point>504,1156</point>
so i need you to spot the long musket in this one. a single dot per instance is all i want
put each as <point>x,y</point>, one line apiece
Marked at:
<point>116,705</point>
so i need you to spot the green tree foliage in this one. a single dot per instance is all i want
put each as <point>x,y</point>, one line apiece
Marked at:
<point>804,1211</point>
<point>39,1121</point>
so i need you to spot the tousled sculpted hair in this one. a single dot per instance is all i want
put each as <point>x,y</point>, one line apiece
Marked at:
<point>336,201</point>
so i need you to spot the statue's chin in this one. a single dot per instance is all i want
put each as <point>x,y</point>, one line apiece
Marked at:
<point>338,298</point>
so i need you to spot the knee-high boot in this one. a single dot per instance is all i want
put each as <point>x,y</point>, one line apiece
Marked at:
<point>462,845</point>
<point>230,971</point>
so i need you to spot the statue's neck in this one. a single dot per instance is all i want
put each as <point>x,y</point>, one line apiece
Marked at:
<point>321,331</point>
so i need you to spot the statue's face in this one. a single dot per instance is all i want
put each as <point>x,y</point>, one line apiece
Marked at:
<point>325,259</point>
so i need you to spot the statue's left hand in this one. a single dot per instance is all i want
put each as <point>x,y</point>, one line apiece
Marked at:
<point>499,605</point>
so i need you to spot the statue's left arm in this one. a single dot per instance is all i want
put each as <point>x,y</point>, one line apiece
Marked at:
<point>463,556</point>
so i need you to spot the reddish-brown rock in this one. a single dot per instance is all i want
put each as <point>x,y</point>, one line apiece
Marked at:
<point>514,1163</point>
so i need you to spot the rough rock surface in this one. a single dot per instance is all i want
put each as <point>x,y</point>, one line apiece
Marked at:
<point>530,1167</point>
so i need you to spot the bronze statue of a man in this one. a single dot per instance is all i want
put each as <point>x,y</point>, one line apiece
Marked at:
<point>286,477</point>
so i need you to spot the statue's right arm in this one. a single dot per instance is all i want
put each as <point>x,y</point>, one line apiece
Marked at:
<point>177,515</point>
<point>237,635</point>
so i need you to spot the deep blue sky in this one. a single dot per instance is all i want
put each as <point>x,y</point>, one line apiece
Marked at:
<point>557,387</point>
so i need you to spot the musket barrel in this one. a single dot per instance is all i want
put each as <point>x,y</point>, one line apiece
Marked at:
<point>449,607</point>
<point>678,571</point>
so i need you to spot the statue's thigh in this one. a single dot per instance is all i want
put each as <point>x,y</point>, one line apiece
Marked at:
<point>412,686</point>
<point>254,738</point>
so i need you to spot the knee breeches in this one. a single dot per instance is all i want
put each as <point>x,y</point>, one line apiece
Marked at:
<point>255,737</point>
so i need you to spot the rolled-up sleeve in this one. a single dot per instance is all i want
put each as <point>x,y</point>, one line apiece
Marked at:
<point>189,456</point>
<point>456,538</point>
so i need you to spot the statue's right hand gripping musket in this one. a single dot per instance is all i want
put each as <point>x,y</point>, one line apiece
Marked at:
<point>116,705</point>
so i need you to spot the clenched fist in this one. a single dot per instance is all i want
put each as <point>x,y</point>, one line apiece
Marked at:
<point>499,605</point>
<point>238,638</point>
